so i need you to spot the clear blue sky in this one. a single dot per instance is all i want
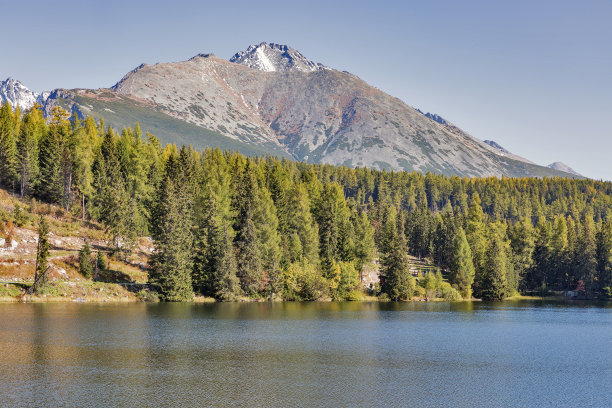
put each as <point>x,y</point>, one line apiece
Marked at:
<point>535,76</point>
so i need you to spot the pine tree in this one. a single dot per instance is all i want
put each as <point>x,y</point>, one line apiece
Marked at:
<point>461,266</point>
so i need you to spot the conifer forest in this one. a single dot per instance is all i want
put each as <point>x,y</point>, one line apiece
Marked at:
<point>229,226</point>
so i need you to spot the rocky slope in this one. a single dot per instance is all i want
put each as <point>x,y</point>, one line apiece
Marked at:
<point>275,57</point>
<point>563,167</point>
<point>271,99</point>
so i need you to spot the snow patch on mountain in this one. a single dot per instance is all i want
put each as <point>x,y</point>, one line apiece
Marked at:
<point>17,94</point>
<point>272,57</point>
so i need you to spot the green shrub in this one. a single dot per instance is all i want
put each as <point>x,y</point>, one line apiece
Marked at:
<point>348,283</point>
<point>20,218</point>
<point>447,292</point>
<point>303,281</point>
<point>146,295</point>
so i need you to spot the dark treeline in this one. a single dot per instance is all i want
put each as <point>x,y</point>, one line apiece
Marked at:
<point>226,225</point>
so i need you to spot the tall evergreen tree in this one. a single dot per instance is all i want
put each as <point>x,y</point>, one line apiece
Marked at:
<point>537,276</point>
<point>172,263</point>
<point>49,185</point>
<point>214,269</point>
<point>461,266</point>
<point>32,129</point>
<point>248,257</point>
<point>494,283</point>
<point>41,276</point>
<point>586,261</point>
<point>522,243</point>
<point>476,237</point>
<point>397,282</point>
<point>9,128</point>
<point>266,223</point>
<point>604,259</point>
<point>85,266</point>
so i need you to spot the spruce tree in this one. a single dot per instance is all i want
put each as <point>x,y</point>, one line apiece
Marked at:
<point>522,243</point>
<point>214,268</point>
<point>9,128</point>
<point>537,276</point>
<point>33,128</point>
<point>558,248</point>
<point>328,230</point>
<point>248,257</point>
<point>172,262</point>
<point>266,223</point>
<point>365,247</point>
<point>85,266</point>
<point>48,186</point>
<point>604,259</point>
<point>494,283</point>
<point>586,261</point>
<point>41,277</point>
<point>396,280</point>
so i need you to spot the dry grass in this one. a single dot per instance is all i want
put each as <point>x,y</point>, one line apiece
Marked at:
<point>13,269</point>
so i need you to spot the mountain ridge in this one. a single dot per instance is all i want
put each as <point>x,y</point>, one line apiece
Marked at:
<point>295,108</point>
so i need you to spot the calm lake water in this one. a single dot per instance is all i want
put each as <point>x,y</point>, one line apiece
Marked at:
<point>511,354</point>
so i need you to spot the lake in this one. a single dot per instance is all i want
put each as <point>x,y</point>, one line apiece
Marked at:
<point>466,354</point>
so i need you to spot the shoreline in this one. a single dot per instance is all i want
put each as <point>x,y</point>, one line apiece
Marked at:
<point>133,298</point>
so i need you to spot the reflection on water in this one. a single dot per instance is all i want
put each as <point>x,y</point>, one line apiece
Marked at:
<point>527,353</point>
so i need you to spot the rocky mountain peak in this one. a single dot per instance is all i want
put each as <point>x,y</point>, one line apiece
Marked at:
<point>496,145</point>
<point>563,167</point>
<point>17,94</point>
<point>435,117</point>
<point>272,57</point>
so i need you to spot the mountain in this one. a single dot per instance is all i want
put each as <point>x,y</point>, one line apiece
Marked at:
<point>17,94</point>
<point>435,117</point>
<point>496,145</point>
<point>499,149</point>
<point>270,99</point>
<point>563,167</point>
<point>275,58</point>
